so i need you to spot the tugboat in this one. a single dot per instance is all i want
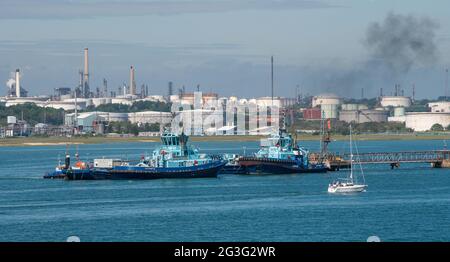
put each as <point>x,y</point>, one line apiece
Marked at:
<point>79,171</point>
<point>280,154</point>
<point>173,159</point>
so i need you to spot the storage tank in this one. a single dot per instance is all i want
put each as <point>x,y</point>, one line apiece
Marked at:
<point>11,120</point>
<point>117,117</point>
<point>399,111</point>
<point>349,107</point>
<point>395,101</point>
<point>363,116</point>
<point>440,107</point>
<point>326,99</point>
<point>373,116</point>
<point>423,121</point>
<point>349,116</point>
<point>98,101</point>
<point>329,111</point>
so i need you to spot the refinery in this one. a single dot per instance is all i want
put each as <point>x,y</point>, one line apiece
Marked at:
<point>393,108</point>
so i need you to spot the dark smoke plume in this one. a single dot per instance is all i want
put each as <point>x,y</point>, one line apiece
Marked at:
<point>396,45</point>
<point>401,42</point>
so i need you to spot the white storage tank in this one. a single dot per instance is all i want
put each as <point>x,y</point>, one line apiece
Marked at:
<point>395,101</point>
<point>329,111</point>
<point>363,116</point>
<point>350,107</point>
<point>440,107</point>
<point>117,117</point>
<point>423,121</point>
<point>11,120</point>
<point>326,99</point>
<point>399,111</point>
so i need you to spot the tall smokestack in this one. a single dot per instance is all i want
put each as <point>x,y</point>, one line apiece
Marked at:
<point>86,73</point>
<point>170,89</point>
<point>17,83</point>
<point>132,82</point>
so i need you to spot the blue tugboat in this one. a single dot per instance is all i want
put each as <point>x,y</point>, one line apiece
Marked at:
<point>279,154</point>
<point>79,171</point>
<point>173,159</point>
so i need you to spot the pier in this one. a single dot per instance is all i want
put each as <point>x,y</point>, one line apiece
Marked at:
<point>437,158</point>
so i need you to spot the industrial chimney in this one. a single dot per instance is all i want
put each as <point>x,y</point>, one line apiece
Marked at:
<point>17,83</point>
<point>86,73</point>
<point>132,82</point>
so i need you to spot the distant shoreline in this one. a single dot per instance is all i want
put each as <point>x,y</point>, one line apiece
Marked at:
<point>57,141</point>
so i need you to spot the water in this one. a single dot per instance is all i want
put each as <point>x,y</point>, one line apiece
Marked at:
<point>407,204</point>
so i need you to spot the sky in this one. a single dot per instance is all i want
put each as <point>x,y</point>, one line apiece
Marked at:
<point>225,45</point>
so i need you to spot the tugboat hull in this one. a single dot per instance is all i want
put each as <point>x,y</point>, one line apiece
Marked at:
<point>129,172</point>
<point>260,166</point>
<point>74,174</point>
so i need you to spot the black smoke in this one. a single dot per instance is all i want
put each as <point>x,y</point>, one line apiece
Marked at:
<point>402,41</point>
<point>395,46</point>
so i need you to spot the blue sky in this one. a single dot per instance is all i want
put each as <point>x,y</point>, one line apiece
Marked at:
<point>223,45</point>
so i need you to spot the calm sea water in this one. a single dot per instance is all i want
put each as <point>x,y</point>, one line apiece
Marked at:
<point>407,204</point>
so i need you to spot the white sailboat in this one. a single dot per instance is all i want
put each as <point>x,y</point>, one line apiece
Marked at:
<point>349,185</point>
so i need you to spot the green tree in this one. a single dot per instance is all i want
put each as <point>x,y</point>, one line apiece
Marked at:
<point>437,127</point>
<point>33,114</point>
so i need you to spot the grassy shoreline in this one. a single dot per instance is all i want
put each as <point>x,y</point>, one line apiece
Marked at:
<point>45,141</point>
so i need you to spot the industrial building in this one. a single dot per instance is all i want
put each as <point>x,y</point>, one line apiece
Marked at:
<point>440,107</point>
<point>312,113</point>
<point>350,107</point>
<point>363,116</point>
<point>423,121</point>
<point>16,127</point>
<point>88,121</point>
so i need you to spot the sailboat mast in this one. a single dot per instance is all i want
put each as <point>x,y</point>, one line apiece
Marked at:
<point>351,156</point>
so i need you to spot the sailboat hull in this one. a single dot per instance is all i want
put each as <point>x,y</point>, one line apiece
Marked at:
<point>347,188</point>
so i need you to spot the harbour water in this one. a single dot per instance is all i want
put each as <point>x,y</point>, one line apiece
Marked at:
<point>411,203</point>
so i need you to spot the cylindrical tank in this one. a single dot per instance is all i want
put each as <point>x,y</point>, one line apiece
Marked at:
<point>363,116</point>
<point>399,111</point>
<point>395,101</point>
<point>325,99</point>
<point>11,120</point>
<point>362,107</point>
<point>329,111</point>
<point>348,107</point>
<point>423,121</point>
<point>373,116</point>
<point>117,117</point>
